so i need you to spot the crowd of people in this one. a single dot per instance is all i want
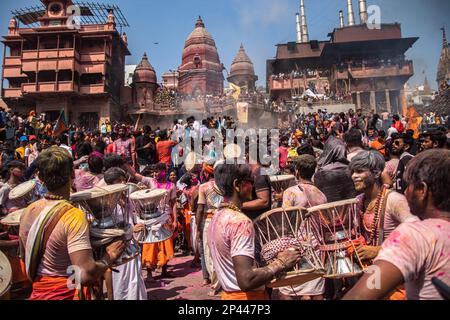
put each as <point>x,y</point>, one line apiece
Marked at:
<point>399,177</point>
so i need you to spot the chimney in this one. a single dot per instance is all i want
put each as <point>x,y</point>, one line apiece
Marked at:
<point>341,18</point>
<point>363,11</point>
<point>304,26</point>
<point>351,16</point>
<point>299,30</point>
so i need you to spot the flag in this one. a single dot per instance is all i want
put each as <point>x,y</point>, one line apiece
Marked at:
<point>236,91</point>
<point>60,126</point>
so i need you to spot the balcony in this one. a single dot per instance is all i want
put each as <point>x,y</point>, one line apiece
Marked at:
<point>91,68</point>
<point>92,89</point>
<point>12,61</point>
<point>12,93</point>
<point>50,87</point>
<point>13,72</point>
<point>94,57</point>
<point>406,69</point>
<point>288,84</point>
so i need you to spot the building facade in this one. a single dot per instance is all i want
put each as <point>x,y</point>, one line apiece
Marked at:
<point>50,65</point>
<point>359,65</point>
<point>200,72</point>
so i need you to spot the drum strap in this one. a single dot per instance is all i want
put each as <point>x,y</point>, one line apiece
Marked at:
<point>39,234</point>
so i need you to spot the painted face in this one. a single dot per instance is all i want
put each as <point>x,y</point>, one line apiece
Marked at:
<point>173,177</point>
<point>398,147</point>
<point>363,179</point>
<point>427,144</point>
<point>160,175</point>
<point>245,191</point>
<point>121,132</point>
<point>18,172</point>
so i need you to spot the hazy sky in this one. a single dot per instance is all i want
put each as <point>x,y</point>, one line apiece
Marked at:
<point>260,25</point>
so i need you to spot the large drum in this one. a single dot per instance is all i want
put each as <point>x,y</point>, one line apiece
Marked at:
<point>23,194</point>
<point>150,207</point>
<point>5,275</point>
<point>281,183</point>
<point>281,229</point>
<point>13,219</point>
<point>336,226</point>
<point>110,221</point>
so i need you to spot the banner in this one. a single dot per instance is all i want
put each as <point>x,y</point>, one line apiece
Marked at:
<point>242,112</point>
<point>236,91</point>
<point>60,126</point>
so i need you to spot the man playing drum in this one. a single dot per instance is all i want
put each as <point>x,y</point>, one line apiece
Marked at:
<point>305,195</point>
<point>381,210</point>
<point>16,170</point>
<point>416,253</point>
<point>158,255</point>
<point>231,238</point>
<point>66,236</point>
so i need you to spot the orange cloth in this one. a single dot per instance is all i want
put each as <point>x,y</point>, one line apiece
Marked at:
<point>377,145</point>
<point>254,295</point>
<point>187,227</point>
<point>19,273</point>
<point>55,288</point>
<point>156,255</point>
<point>398,294</point>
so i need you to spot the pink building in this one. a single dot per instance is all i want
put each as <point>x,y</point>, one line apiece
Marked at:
<point>50,65</point>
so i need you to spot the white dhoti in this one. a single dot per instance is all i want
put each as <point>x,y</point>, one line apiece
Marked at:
<point>207,255</point>
<point>128,283</point>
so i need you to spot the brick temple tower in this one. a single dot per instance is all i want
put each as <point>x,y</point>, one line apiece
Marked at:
<point>200,72</point>
<point>242,72</point>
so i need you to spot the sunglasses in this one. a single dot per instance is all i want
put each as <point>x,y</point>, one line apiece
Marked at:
<point>397,143</point>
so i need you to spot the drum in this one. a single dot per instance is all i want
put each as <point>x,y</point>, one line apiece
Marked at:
<point>150,208</point>
<point>5,275</point>
<point>281,183</point>
<point>281,229</point>
<point>23,192</point>
<point>132,187</point>
<point>12,219</point>
<point>108,207</point>
<point>336,226</point>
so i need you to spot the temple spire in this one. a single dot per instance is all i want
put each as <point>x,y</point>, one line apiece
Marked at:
<point>444,38</point>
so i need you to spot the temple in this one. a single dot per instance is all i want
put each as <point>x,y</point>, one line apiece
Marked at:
<point>51,64</point>
<point>242,72</point>
<point>201,70</point>
<point>358,66</point>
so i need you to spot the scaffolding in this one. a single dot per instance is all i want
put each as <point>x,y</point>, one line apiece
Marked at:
<point>91,13</point>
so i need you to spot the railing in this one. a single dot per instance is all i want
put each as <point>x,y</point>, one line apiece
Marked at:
<point>92,89</point>
<point>383,71</point>
<point>288,84</point>
<point>94,57</point>
<point>12,92</point>
<point>12,72</point>
<point>12,61</point>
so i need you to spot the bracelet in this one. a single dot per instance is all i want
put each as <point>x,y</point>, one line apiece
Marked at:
<point>282,263</point>
<point>273,269</point>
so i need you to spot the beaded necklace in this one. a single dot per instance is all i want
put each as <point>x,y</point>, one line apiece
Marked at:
<point>377,213</point>
<point>53,197</point>
<point>230,206</point>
